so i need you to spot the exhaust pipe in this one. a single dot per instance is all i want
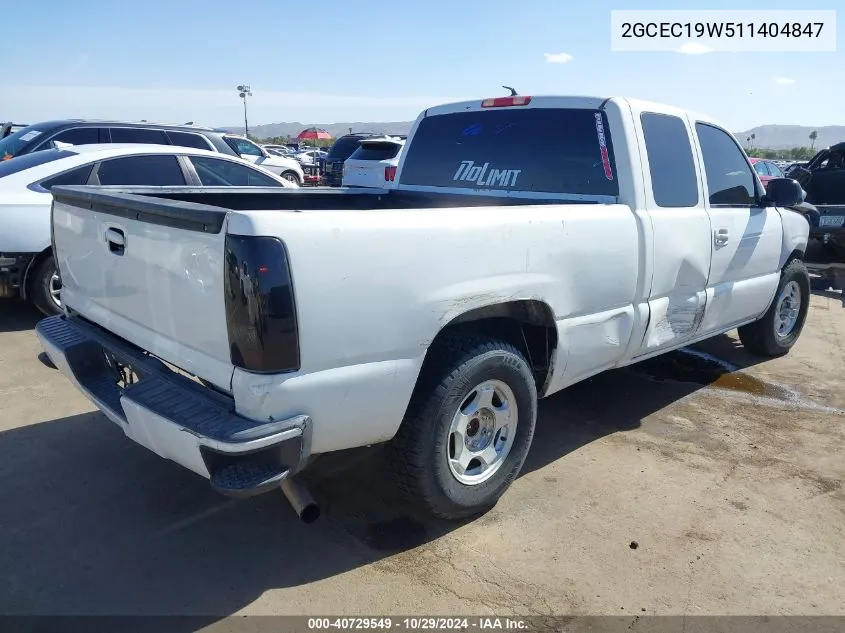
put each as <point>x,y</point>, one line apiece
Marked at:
<point>301,500</point>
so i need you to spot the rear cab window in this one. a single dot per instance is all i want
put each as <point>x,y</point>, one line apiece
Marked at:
<point>674,180</point>
<point>567,152</point>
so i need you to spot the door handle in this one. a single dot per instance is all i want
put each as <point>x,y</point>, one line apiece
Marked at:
<point>721,236</point>
<point>116,241</point>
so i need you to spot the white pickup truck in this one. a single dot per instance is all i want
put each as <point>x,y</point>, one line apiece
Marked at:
<point>244,333</point>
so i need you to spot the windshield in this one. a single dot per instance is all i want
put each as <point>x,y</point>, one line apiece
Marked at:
<point>13,144</point>
<point>544,150</point>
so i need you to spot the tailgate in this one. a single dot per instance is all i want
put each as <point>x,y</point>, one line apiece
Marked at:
<point>148,270</point>
<point>364,173</point>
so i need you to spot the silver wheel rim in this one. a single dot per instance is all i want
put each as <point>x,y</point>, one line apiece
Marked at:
<point>482,432</point>
<point>55,288</point>
<point>787,308</point>
<point>290,178</point>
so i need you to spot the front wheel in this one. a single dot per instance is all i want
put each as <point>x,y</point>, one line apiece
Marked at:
<point>777,331</point>
<point>468,428</point>
<point>45,287</point>
<point>291,177</point>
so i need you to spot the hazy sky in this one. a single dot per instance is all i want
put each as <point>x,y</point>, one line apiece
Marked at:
<point>368,60</point>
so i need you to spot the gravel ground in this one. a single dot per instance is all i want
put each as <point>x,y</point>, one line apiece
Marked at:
<point>684,485</point>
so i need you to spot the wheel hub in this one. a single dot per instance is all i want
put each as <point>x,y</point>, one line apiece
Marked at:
<point>480,430</point>
<point>789,304</point>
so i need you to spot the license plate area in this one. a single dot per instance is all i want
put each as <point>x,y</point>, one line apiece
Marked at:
<point>831,220</point>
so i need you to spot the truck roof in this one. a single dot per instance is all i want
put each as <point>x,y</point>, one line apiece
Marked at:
<point>570,101</point>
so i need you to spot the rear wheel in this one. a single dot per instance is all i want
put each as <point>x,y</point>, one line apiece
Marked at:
<point>45,287</point>
<point>468,428</point>
<point>778,330</point>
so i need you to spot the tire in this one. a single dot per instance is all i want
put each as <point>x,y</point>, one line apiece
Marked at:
<point>41,286</point>
<point>419,454</point>
<point>291,176</point>
<point>763,336</point>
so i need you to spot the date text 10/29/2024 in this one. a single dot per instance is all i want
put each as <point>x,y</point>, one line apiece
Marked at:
<point>417,624</point>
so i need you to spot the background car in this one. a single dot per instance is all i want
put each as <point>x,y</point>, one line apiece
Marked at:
<point>340,150</point>
<point>53,134</point>
<point>27,268</point>
<point>280,150</point>
<point>766,170</point>
<point>286,167</point>
<point>374,163</point>
<point>311,156</point>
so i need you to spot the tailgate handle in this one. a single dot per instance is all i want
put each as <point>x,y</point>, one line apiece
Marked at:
<point>116,241</point>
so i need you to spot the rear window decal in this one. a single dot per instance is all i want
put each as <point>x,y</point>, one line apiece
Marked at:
<point>468,171</point>
<point>605,157</point>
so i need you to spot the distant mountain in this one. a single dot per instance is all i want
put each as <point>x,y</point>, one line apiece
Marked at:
<point>786,136</point>
<point>269,130</point>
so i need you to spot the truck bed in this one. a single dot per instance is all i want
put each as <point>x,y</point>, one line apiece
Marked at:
<point>187,207</point>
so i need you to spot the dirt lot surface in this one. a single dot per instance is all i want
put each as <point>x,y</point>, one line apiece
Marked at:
<point>667,488</point>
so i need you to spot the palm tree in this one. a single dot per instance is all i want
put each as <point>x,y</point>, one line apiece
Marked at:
<point>750,140</point>
<point>813,136</point>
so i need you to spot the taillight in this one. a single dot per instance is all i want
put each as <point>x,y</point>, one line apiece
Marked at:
<point>53,235</point>
<point>390,174</point>
<point>260,305</point>
<point>504,102</point>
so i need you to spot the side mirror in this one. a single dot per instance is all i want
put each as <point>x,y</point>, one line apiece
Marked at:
<point>784,192</point>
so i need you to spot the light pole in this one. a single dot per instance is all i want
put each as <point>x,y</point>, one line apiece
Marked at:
<point>245,92</point>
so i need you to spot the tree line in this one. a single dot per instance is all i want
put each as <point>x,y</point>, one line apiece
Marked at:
<point>792,153</point>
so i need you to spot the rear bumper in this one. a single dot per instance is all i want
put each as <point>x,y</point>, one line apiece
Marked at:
<point>13,267</point>
<point>174,416</point>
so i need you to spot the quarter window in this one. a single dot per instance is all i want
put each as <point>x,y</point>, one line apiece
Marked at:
<point>214,172</point>
<point>730,181</point>
<point>78,176</point>
<point>673,177</point>
<point>187,139</point>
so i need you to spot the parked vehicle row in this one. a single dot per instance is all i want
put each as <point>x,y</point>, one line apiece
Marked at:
<point>27,267</point>
<point>55,134</point>
<point>431,316</point>
<point>823,178</point>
